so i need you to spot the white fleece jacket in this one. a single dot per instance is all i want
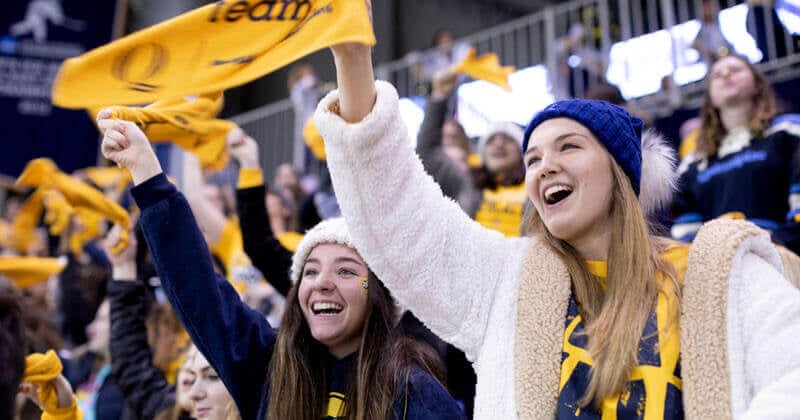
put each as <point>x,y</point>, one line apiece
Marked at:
<point>461,279</point>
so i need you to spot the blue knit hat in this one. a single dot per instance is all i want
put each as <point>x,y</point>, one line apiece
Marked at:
<point>619,131</point>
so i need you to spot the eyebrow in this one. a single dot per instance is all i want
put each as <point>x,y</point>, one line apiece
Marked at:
<point>338,260</point>
<point>350,260</point>
<point>558,139</point>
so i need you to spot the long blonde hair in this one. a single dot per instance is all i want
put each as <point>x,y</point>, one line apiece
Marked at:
<point>614,318</point>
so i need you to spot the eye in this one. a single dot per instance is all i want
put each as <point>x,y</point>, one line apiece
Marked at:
<point>568,146</point>
<point>212,377</point>
<point>345,272</point>
<point>531,160</point>
<point>309,272</point>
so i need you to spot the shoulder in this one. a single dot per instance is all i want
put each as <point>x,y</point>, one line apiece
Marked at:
<point>424,397</point>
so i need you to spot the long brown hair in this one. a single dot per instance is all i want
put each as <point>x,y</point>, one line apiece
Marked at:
<point>379,372</point>
<point>615,318</point>
<point>764,109</point>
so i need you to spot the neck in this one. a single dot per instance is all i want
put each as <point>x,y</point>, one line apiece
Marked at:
<point>594,245</point>
<point>340,352</point>
<point>736,116</point>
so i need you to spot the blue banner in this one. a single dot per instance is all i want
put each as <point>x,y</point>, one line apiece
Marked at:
<point>35,37</point>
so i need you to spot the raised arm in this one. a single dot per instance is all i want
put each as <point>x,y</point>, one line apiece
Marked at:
<point>262,247</point>
<point>144,387</point>
<point>437,262</point>
<point>209,217</point>
<point>236,340</point>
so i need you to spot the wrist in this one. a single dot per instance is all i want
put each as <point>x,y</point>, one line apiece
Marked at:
<point>142,173</point>
<point>124,272</point>
<point>249,164</point>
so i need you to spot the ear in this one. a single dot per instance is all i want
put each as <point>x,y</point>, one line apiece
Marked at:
<point>659,179</point>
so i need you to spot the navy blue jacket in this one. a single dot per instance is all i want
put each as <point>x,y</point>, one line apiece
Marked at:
<point>237,341</point>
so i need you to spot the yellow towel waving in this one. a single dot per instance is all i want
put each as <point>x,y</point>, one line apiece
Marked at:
<point>214,47</point>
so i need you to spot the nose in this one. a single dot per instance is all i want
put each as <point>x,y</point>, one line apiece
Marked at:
<point>548,165</point>
<point>197,392</point>
<point>324,282</point>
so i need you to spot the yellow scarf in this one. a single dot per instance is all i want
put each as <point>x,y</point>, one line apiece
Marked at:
<point>108,176</point>
<point>486,67</point>
<point>44,175</point>
<point>189,123</point>
<point>214,47</point>
<point>29,271</point>
<point>41,370</point>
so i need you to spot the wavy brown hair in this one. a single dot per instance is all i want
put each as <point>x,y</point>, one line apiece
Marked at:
<point>615,318</point>
<point>764,109</point>
<point>382,365</point>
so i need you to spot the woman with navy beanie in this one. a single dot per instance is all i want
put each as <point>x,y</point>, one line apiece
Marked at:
<point>592,316</point>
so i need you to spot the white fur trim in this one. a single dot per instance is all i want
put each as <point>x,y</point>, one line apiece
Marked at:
<point>763,326</point>
<point>330,231</point>
<point>659,178</point>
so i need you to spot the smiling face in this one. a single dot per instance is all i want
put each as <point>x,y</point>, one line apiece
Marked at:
<point>731,82</point>
<point>331,297</point>
<point>570,182</point>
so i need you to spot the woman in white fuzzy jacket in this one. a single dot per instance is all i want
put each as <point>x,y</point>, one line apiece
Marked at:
<point>592,316</point>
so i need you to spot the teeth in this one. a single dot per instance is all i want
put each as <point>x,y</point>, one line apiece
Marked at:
<point>322,306</point>
<point>550,192</point>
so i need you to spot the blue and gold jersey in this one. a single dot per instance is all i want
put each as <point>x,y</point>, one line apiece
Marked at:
<point>654,388</point>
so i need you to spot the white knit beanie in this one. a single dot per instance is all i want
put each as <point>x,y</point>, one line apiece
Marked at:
<point>508,128</point>
<point>329,231</point>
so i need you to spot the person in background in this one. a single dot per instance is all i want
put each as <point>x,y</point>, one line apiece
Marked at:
<point>742,162</point>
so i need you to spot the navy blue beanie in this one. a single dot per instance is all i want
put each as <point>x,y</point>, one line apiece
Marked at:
<point>619,131</point>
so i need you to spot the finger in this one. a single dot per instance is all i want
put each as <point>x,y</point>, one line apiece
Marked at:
<point>105,124</point>
<point>111,144</point>
<point>103,114</point>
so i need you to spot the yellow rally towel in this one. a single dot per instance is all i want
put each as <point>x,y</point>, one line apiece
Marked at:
<point>486,67</point>
<point>29,271</point>
<point>108,176</point>
<point>42,173</point>
<point>23,227</point>
<point>217,46</point>
<point>88,229</point>
<point>314,139</point>
<point>187,122</point>
<point>41,370</point>
<point>59,211</point>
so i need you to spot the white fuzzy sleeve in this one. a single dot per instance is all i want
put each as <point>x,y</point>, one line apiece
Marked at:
<point>764,339</point>
<point>437,262</point>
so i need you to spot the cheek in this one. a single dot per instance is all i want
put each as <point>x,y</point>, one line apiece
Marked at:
<point>531,188</point>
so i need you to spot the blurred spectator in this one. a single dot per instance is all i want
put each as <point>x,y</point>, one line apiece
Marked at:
<point>443,53</point>
<point>579,63</point>
<point>305,91</point>
<point>88,370</point>
<point>710,43</point>
<point>218,223</point>
<point>283,200</point>
<point>744,162</point>
<point>142,355</point>
<point>491,192</point>
<point>12,350</point>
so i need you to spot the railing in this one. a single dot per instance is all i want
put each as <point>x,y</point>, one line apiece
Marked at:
<point>532,40</point>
